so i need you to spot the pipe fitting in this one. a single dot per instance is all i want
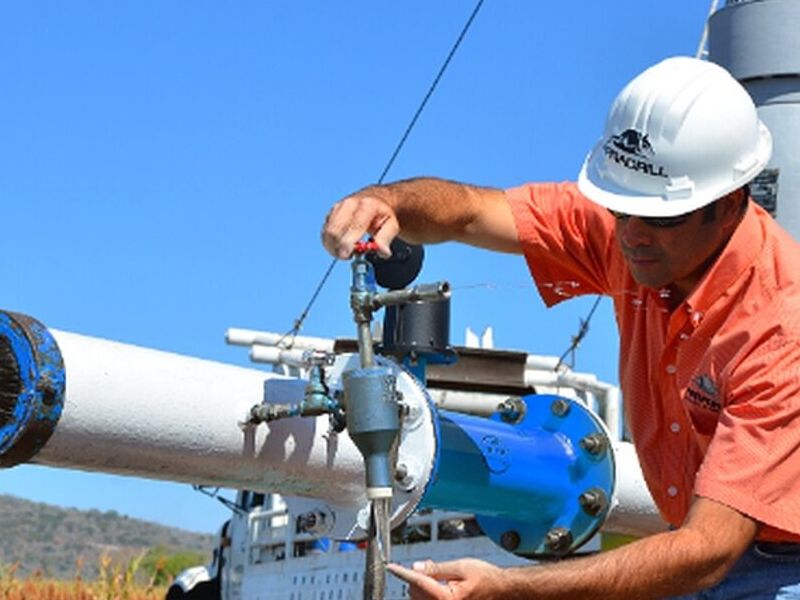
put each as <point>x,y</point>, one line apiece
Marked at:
<point>32,385</point>
<point>373,422</point>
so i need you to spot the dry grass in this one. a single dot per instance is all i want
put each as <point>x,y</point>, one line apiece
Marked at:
<point>115,582</point>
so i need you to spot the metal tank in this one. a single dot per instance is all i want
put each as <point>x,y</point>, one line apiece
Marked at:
<point>757,41</point>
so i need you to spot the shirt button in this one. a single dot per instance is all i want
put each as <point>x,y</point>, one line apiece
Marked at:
<point>675,427</point>
<point>672,369</point>
<point>672,491</point>
<point>684,336</point>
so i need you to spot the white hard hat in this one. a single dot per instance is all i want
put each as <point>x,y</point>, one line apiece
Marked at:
<point>679,136</point>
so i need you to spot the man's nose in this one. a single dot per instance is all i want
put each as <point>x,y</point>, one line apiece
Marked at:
<point>633,232</point>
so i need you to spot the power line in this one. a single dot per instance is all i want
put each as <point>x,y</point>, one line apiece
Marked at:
<point>298,322</point>
<point>430,91</point>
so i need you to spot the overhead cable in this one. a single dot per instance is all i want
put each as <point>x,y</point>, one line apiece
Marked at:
<point>298,322</point>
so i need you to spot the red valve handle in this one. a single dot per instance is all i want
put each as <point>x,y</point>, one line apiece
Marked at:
<point>364,247</point>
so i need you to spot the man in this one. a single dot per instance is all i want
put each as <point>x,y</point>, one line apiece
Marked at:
<point>708,307</point>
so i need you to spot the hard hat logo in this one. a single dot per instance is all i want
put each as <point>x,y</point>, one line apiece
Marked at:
<point>633,142</point>
<point>637,144</point>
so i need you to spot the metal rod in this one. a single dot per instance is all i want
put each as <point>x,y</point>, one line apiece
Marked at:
<point>418,293</point>
<point>365,349</point>
<point>378,549</point>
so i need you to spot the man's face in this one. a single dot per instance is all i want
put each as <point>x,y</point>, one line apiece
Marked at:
<point>675,256</point>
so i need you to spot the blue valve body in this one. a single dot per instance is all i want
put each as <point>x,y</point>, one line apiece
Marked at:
<point>526,478</point>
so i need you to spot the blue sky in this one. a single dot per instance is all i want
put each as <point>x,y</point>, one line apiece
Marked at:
<point>165,167</point>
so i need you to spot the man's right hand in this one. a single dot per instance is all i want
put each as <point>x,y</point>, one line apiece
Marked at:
<point>365,212</point>
<point>425,210</point>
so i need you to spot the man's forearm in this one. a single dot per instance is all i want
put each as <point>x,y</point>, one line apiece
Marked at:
<point>431,210</point>
<point>422,211</point>
<point>664,565</point>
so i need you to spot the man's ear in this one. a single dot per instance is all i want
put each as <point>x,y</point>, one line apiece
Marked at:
<point>732,208</point>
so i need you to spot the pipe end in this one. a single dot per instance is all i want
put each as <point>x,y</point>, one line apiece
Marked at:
<point>32,385</point>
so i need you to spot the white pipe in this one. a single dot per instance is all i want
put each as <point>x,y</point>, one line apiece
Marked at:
<point>581,381</point>
<point>633,511</point>
<point>611,412</point>
<point>135,411</point>
<point>248,337</point>
<point>473,403</point>
<point>274,355</point>
<point>541,363</point>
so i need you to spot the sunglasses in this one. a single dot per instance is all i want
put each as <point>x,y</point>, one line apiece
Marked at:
<point>658,222</point>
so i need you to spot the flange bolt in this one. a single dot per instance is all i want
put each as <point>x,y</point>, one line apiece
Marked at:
<point>558,540</point>
<point>594,443</point>
<point>560,407</point>
<point>403,477</point>
<point>510,540</point>
<point>512,410</point>
<point>593,501</point>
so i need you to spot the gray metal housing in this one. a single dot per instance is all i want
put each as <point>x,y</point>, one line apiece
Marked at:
<point>758,42</point>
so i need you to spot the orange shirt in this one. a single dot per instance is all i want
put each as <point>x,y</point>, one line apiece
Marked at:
<point>711,389</point>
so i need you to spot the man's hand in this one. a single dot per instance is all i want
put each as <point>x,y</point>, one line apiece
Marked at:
<point>359,214</point>
<point>467,578</point>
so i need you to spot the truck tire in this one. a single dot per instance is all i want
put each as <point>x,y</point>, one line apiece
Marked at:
<point>207,590</point>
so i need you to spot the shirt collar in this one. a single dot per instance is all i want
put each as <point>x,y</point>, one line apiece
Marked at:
<point>739,253</point>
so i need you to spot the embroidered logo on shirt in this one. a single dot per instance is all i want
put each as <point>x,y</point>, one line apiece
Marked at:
<point>632,149</point>
<point>702,391</point>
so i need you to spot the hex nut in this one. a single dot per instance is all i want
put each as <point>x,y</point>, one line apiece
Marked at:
<point>560,407</point>
<point>594,443</point>
<point>510,540</point>
<point>593,501</point>
<point>558,540</point>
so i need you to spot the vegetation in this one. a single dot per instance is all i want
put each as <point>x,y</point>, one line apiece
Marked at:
<point>49,540</point>
<point>113,582</point>
<point>162,566</point>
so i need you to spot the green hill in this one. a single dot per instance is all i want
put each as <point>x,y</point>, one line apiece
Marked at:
<point>52,539</point>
